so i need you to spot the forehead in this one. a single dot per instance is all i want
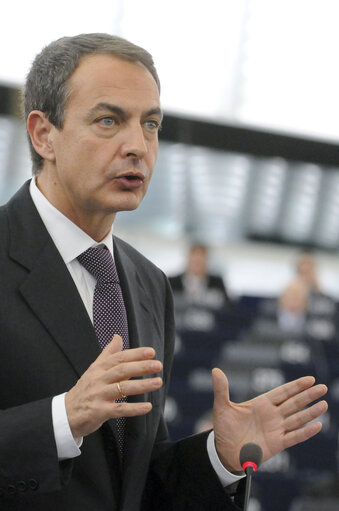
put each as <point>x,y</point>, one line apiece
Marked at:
<point>105,76</point>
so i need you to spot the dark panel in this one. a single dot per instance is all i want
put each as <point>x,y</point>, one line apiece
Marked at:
<point>250,141</point>
<point>9,101</point>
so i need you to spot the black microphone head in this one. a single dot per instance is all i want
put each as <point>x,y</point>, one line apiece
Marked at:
<point>250,452</point>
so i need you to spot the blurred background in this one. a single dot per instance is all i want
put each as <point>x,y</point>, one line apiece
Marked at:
<point>248,171</point>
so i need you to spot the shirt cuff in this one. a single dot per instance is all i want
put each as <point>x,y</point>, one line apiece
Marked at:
<point>67,446</point>
<point>226,478</point>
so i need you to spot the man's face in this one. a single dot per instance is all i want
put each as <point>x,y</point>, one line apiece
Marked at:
<point>106,151</point>
<point>197,261</point>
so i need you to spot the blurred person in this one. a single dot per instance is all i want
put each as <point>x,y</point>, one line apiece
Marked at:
<point>292,308</point>
<point>319,304</point>
<point>86,322</point>
<point>196,285</point>
<point>306,272</point>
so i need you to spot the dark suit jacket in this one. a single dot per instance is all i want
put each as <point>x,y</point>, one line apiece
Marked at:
<point>46,342</point>
<point>213,282</point>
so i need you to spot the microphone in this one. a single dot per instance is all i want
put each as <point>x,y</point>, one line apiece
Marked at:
<point>250,458</point>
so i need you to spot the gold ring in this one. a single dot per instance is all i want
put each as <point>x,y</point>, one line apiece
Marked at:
<point>122,396</point>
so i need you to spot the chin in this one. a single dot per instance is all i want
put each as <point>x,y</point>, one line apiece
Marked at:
<point>130,205</point>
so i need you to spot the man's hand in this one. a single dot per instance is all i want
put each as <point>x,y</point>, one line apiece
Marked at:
<point>92,400</point>
<point>275,420</point>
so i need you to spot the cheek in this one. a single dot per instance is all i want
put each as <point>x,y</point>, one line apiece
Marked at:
<point>89,158</point>
<point>69,151</point>
<point>152,157</point>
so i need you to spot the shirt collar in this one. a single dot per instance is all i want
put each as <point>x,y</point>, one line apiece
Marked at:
<point>69,239</point>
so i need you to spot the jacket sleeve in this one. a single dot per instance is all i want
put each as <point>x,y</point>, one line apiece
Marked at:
<point>29,461</point>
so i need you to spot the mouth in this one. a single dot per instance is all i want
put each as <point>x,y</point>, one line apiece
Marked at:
<point>131,180</point>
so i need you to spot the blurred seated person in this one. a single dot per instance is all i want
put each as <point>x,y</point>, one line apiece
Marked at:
<point>318,302</point>
<point>196,286</point>
<point>306,272</point>
<point>292,308</point>
<point>303,308</point>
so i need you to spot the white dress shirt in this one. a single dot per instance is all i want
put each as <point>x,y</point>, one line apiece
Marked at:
<point>71,241</point>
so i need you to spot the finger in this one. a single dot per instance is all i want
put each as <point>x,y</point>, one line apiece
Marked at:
<point>220,388</point>
<point>299,419</point>
<point>130,355</point>
<point>302,434</point>
<point>281,394</point>
<point>115,346</point>
<point>124,409</point>
<point>127,370</point>
<point>133,387</point>
<point>303,399</point>
<point>112,356</point>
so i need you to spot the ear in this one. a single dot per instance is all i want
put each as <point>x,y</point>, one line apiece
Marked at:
<point>40,130</point>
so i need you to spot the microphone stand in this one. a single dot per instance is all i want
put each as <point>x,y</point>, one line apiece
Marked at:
<point>250,459</point>
<point>249,472</point>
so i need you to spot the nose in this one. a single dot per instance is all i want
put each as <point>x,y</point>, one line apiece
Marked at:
<point>134,144</point>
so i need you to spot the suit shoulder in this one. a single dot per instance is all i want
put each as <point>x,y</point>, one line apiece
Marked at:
<point>3,211</point>
<point>4,227</point>
<point>176,282</point>
<point>216,280</point>
<point>137,257</point>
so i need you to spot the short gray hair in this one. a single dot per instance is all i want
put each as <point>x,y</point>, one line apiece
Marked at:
<point>46,87</point>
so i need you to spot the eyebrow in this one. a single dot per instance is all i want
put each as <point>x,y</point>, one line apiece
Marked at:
<point>120,111</point>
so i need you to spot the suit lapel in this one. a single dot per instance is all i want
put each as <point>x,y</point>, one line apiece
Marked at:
<point>137,304</point>
<point>141,332</point>
<point>49,289</point>
<point>55,300</point>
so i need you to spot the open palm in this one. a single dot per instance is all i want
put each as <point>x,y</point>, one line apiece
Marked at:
<point>275,420</point>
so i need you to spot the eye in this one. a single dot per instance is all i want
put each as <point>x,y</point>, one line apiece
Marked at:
<point>153,125</point>
<point>107,122</point>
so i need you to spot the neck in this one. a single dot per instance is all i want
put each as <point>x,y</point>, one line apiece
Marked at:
<point>97,224</point>
<point>96,230</point>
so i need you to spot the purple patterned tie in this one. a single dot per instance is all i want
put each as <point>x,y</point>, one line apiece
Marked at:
<point>109,312</point>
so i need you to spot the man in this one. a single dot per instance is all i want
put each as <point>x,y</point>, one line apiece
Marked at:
<point>93,114</point>
<point>196,286</point>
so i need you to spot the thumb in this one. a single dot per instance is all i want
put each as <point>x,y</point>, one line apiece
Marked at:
<point>220,388</point>
<point>114,346</point>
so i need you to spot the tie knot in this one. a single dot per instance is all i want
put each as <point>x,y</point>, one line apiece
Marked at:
<point>99,262</point>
